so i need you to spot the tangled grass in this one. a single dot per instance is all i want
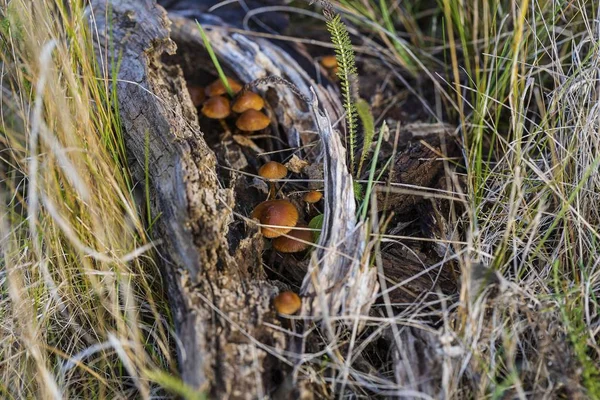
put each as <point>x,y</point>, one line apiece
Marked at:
<point>520,78</point>
<point>79,300</point>
<point>81,310</point>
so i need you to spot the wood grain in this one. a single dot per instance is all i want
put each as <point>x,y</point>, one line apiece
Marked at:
<point>219,299</point>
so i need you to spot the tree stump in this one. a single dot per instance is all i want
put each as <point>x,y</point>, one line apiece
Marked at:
<point>230,344</point>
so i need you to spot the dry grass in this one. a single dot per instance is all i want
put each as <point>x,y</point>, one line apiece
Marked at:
<point>80,309</point>
<point>520,80</point>
<point>81,313</point>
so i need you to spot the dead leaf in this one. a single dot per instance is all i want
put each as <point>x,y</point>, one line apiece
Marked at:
<point>296,164</point>
<point>245,141</point>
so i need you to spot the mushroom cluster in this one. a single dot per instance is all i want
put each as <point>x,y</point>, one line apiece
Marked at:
<point>279,217</point>
<point>216,105</point>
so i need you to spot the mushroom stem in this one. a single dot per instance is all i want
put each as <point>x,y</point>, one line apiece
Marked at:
<point>272,191</point>
<point>225,128</point>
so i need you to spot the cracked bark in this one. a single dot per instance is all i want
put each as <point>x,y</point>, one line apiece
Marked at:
<point>219,298</point>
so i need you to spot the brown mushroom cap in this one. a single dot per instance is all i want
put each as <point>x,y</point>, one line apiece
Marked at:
<point>280,213</point>
<point>216,107</point>
<point>313,196</point>
<point>217,88</point>
<point>289,244</point>
<point>329,62</point>
<point>287,303</point>
<point>248,101</point>
<point>273,170</point>
<point>252,120</point>
<point>197,95</point>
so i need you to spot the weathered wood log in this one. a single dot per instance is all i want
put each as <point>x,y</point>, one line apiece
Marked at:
<point>219,293</point>
<point>339,281</point>
<point>219,298</point>
<point>350,286</point>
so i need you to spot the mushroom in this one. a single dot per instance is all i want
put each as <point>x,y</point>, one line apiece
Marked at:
<point>217,88</point>
<point>295,241</point>
<point>197,95</point>
<point>329,62</point>
<point>281,214</point>
<point>272,170</point>
<point>248,101</point>
<point>217,107</point>
<point>252,120</point>
<point>313,196</point>
<point>287,303</point>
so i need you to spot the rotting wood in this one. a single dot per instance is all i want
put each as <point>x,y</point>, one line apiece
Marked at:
<point>339,281</point>
<point>219,299</point>
<point>342,271</point>
<point>407,280</point>
<point>418,165</point>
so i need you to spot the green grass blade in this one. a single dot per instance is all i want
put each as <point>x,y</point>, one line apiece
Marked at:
<point>175,385</point>
<point>365,205</point>
<point>215,60</point>
<point>366,117</point>
<point>347,74</point>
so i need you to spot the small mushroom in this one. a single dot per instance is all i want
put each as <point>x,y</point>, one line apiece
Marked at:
<point>197,95</point>
<point>295,241</point>
<point>217,107</point>
<point>287,303</point>
<point>252,121</point>
<point>281,214</point>
<point>217,88</point>
<point>248,101</point>
<point>329,62</point>
<point>273,170</point>
<point>313,197</point>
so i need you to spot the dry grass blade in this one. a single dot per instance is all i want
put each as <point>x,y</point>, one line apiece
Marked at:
<point>75,257</point>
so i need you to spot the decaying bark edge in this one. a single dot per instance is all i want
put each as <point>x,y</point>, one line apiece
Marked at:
<point>218,306</point>
<point>339,281</point>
